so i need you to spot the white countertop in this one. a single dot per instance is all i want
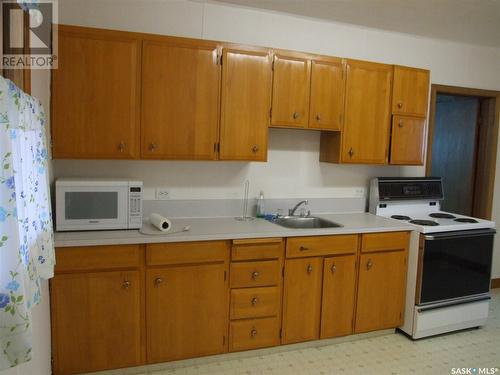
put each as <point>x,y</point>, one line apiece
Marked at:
<point>226,228</point>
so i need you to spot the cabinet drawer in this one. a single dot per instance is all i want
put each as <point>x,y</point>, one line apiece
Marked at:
<point>321,245</point>
<point>373,242</point>
<point>187,252</point>
<point>254,302</point>
<point>258,248</point>
<point>254,333</point>
<point>87,258</point>
<point>249,274</point>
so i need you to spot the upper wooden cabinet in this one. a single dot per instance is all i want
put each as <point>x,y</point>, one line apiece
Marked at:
<point>180,100</point>
<point>245,104</point>
<point>365,135</point>
<point>291,84</point>
<point>408,140</point>
<point>96,94</point>
<point>327,94</point>
<point>410,91</point>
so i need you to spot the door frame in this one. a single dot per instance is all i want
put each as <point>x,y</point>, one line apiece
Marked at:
<point>487,143</point>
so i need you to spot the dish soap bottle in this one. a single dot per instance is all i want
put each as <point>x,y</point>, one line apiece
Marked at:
<point>260,205</point>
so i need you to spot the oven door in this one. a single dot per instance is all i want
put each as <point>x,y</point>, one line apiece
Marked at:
<point>91,207</point>
<point>454,265</point>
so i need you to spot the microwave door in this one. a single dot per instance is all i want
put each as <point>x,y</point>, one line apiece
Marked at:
<point>93,208</point>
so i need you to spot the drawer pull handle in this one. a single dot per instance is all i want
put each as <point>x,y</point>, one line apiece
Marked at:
<point>309,268</point>
<point>255,149</point>
<point>158,281</point>
<point>295,115</point>
<point>253,332</point>
<point>121,146</point>
<point>400,123</point>
<point>126,284</point>
<point>318,117</point>
<point>255,274</point>
<point>350,152</point>
<point>254,301</point>
<point>400,105</point>
<point>333,268</point>
<point>369,264</point>
<point>303,248</point>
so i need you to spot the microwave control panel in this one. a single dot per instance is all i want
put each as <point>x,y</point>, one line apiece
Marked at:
<point>135,206</point>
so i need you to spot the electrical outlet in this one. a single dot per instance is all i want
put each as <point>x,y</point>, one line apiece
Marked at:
<point>162,194</point>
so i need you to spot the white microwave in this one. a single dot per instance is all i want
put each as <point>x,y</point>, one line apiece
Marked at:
<point>98,204</point>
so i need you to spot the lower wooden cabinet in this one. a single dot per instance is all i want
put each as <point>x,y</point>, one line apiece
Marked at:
<point>339,291</point>
<point>381,291</point>
<point>302,299</point>
<point>254,333</point>
<point>186,311</point>
<point>96,321</point>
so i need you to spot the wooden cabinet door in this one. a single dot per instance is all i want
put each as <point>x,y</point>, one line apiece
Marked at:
<point>410,91</point>
<point>408,140</point>
<point>367,113</point>
<point>381,291</point>
<point>291,85</point>
<point>96,321</point>
<point>187,311</point>
<point>327,94</point>
<point>302,299</point>
<point>339,291</point>
<point>180,100</point>
<point>245,104</point>
<point>96,95</point>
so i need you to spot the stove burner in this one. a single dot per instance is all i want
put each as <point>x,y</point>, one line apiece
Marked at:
<point>466,220</point>
<point>429,223</point>
<point>442,215</point>
<point>400,217</point>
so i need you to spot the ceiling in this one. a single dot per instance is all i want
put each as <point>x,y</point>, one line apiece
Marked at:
<point>466,21</point>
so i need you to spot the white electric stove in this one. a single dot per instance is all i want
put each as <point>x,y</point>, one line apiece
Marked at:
<point>449,259</point>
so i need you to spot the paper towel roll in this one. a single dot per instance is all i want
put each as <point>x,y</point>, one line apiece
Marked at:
<point>160,222</point>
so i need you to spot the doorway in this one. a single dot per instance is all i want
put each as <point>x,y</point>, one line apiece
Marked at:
<point>462,147</point>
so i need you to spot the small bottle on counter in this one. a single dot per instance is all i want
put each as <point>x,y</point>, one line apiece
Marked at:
<point>260,206</point>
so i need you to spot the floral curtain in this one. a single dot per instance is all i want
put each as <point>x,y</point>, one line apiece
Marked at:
<point>26,236</point>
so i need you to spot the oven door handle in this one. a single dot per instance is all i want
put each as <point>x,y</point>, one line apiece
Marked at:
<point>460,234</point>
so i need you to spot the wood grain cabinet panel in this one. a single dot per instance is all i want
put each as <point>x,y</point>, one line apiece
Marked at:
<point>252,274</point>
<point>374,242</point>
<point>253,334</point>
<point>327,94</point>
<point>186,311</point>
<point>367,113</point>
<point>410,91</point>
<point>297,247</point>
<point>302,299</point>
<point>339,291</point>
<point>96,95</point>
<point>408,140</point>
<point>245,104</point>
<point>381,291</point>
<point>291,85</point>
<point>255,302</point>
<point>96,321</point>
<point>180,100</point>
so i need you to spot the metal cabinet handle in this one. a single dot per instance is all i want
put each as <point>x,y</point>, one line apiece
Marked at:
<point>253,332</point>
<point>126,284</point>
<point>303,248</point>
<point>152,147</point>
<point>369,264</point>
<point>333,268</point>
<point>350,152</point>
<point>254,301</point>
<point>400,105</point>
<point>255,149</point>
<point>158,281</point>
<point>400,123</point>
<point>295,115</point>
<point>255,274</point>
<point>318,117</point>
<point>121,146</point>
<point>309,268</point>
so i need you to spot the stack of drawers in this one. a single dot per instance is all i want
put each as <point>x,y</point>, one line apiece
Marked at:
<point>256,284</point>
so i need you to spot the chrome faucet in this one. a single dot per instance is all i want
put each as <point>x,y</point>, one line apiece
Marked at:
<point>291,212</point>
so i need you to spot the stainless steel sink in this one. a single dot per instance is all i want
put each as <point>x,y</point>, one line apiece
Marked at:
<point>304,222</point>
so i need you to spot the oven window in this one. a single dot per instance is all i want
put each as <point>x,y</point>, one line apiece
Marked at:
<point>456,267</point>
<point>82,205</point>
